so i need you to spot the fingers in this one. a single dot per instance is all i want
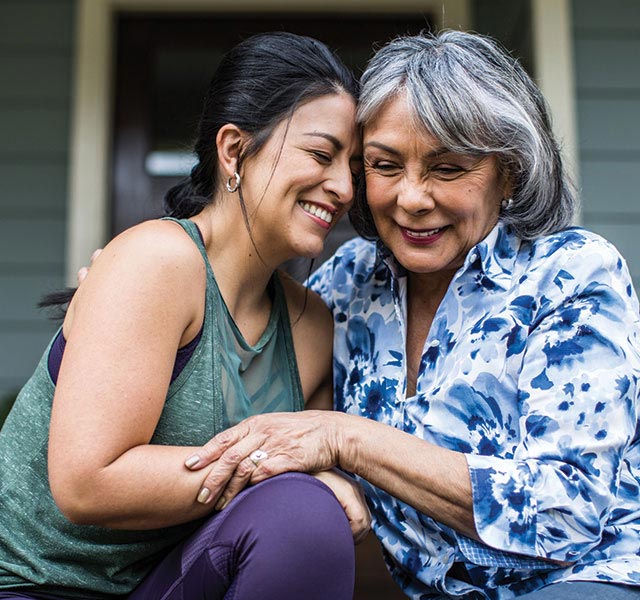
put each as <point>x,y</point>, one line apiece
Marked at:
<point>215,447</point>
<point>273,466</point>
<point>230,472</point>
<point>84,271</point>
<point>360,523</point>
<point>237,483</point>
<point>82,274</point>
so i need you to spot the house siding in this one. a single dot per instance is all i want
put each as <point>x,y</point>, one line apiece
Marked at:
<point>36,43</point>
<point>606,44</point>
<point>36,47</point>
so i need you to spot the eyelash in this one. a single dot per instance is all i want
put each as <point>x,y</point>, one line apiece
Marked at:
<point>383,166</point>
<point>321,156</point>
<point>448,169</point>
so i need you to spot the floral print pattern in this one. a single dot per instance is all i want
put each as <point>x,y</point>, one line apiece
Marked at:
<point>530,369</point>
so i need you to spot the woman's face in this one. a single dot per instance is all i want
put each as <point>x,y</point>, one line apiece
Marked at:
<point>430,205</point>
<point>301,182</point>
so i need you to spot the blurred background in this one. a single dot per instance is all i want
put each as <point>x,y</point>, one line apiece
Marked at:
<point>99,100</point>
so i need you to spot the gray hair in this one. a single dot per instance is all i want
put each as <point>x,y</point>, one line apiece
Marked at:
<point>474,98</point>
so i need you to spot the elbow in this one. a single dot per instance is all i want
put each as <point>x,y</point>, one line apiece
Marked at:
<point>75,501</point>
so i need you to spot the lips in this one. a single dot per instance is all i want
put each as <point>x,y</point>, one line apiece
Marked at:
<point>422,236</point>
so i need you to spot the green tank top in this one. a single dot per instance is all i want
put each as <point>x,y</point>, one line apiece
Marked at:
<point>224,381</point>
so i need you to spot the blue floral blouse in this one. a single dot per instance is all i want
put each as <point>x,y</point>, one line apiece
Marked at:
<point>531,370</point>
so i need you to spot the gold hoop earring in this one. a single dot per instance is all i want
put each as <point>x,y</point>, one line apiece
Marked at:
<point>233,183</point>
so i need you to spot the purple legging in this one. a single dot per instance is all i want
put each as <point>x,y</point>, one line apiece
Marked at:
<point>285,538</point>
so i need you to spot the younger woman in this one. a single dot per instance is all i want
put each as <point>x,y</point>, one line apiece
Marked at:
<point>181,330</point>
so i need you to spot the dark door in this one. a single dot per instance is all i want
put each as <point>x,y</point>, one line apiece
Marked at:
<point>164,64</point>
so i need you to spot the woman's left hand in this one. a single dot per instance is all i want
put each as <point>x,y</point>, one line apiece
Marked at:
<point>304,441</point>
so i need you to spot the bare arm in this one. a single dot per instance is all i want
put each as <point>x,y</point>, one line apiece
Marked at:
<point>433,480</point>
<point>136,307</point>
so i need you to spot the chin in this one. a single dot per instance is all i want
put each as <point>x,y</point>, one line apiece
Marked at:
<point>311,247</point>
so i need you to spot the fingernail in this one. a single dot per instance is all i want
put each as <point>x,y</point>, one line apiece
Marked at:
<point>203,496</point>
<point>221,503</point>
<point>192,461</point>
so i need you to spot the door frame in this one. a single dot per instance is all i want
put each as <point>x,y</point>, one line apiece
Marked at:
<point>91,113</point>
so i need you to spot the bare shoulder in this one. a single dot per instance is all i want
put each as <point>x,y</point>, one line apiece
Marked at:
<point>158,241</point>
<point>152,249</point>
<point>152,263</point>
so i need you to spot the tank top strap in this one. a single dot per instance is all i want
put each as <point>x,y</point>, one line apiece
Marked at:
<point>211,326</point>
<point>194,233</point>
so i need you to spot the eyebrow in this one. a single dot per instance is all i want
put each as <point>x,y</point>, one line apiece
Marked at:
<point>337,144</point>
<point>390,150</point>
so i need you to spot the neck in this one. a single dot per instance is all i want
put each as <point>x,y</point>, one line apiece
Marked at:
<point>426,290</point>
<point>241,274</point>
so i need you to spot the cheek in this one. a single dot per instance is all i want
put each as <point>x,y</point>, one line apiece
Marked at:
<point>379,194</point>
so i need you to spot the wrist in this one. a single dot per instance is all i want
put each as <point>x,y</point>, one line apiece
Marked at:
<point>345,441</point>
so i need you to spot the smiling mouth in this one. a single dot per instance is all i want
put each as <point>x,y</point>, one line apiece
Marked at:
<point>423,233</point>
<point>317,211</point>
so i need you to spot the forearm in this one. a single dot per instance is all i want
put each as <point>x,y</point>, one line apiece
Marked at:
<point>432,479</point>
<point>145,488</point>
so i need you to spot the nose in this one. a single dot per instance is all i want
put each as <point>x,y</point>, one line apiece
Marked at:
<point>340,184</point>
<point>414,195</point>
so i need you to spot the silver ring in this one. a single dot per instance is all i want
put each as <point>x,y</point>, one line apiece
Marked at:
<point>257,456</point>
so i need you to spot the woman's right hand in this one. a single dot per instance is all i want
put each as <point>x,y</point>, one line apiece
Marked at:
<point>351,497</point>
<point>84,271</point>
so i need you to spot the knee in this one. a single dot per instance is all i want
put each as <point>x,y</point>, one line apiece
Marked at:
<point>292,521</point>
<point>296,509</point>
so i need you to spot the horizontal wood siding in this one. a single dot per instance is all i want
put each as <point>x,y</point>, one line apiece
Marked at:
<point>36,38</point>
<point>607,44</point>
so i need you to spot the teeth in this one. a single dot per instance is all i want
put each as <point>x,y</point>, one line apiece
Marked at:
<point>316,211</point>
<point>420,234</point>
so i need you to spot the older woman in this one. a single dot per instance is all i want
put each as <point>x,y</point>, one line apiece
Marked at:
<point>485,354</point>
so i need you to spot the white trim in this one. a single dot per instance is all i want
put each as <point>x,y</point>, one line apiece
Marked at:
<point>87,215</point>
<point>88,212</point>
<point>555,70</point>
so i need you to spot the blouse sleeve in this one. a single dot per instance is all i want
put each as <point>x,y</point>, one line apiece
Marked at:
<point>577,391</point>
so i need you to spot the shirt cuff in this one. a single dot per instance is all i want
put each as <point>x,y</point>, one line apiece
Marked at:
<point>504,509</point>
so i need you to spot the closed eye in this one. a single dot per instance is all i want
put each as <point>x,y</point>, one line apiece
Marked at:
<point>447,171</point>
<point>383,167</point>
<point>322,157</point>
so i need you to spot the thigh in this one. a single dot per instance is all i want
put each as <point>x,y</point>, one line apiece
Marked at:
<point>584,590</point>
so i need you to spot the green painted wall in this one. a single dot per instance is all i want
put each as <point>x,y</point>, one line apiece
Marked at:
<point>36,43</point>
<point>607,46</point>
<point>36,38</point>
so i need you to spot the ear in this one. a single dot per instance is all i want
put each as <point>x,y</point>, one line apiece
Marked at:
<point>229,142</point>
<point>505,184</point>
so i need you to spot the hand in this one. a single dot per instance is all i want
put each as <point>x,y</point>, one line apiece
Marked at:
<point>84,271</point>
<point>304,441</point>
<point>350,495</point>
